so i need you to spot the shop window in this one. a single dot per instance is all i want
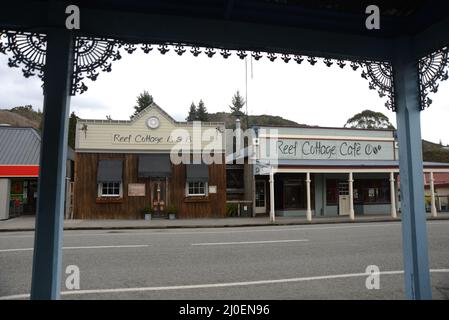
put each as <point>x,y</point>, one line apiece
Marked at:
<point>376,191</point>
<point>294,195</point>
<point>110,189</point>
<point>356,195</point>
<point>196,188</point>
<point>235,178</point>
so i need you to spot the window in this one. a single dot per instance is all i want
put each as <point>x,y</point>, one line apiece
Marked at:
<point>196,188</point>
<point>110,189</point>
<point>375,191</point>
<point>235,178</point>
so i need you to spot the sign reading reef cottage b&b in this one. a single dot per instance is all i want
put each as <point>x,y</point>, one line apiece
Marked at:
<point>148,139</point>
<point>150,131</point>
<point>331,149</point>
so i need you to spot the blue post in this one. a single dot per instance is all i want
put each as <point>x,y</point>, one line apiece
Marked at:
<point>46,276</point>
<point>414,232</point>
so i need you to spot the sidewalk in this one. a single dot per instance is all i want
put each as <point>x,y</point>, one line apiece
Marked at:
<point>27,223</point>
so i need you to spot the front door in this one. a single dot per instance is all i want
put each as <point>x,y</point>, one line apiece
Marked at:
<point>292,195</point>
<point>159,197</point>
<point>343,198</point>
<point>261,201</point>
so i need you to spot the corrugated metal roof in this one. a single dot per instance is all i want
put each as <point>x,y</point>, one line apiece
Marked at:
<point>19,146</point>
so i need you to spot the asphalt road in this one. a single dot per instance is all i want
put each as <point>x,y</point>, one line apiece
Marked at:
<point>282,262</point>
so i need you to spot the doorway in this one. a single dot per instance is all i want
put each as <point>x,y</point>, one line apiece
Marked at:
<point>261,199</point>
<point>343,198</point>
<point>158,189</point>
<point>293,197</point>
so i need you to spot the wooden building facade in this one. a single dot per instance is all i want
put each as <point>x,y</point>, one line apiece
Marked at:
<point>122,168</point>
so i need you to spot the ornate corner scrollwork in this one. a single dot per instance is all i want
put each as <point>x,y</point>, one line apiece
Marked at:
<point>92,55</point>
<point>28,51</point>
<point>432,69</point>
<point>380,77</point>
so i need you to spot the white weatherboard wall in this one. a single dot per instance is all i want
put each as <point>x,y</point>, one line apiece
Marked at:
<point>135,135</point>
<point>5,186</point>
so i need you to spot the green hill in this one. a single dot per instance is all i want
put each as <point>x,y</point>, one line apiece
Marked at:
<point>434,152</point>
<point>264,119</point>
<point>21,117</point>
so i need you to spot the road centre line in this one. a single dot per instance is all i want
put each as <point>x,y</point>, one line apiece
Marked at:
<point>84,247</point>
<point>246,242</point>
<point>219,285</point>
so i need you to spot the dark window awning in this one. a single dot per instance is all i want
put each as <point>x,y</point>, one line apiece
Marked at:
<point>197,172</point>
<point>154,165</point>
<point>109,170</point>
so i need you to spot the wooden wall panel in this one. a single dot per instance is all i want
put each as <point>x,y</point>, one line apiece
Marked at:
<point>85,193</point>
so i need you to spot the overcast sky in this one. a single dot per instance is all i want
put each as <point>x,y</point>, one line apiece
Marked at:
<point>314,95</point>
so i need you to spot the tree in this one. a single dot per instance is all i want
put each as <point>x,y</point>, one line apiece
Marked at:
<point>192,116</point>
<point>201,112</point>
<point>23,109</point>
<point>143,100</point>
<point>369,119</point>
<point>72,129</point>
<point>237,105</point>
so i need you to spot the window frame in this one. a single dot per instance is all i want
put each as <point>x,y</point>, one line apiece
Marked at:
<point>205,186</point>
<point>100,190</point>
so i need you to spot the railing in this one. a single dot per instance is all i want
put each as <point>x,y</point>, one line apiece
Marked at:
<point>241,205</point>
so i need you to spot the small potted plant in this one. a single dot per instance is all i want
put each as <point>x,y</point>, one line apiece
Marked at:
<point>148,211</point>
<point>172,212</point>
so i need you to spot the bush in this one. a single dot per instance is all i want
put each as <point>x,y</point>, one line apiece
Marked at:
<point>148,210</point>
<point>172,209</point>
<point>231,209</point>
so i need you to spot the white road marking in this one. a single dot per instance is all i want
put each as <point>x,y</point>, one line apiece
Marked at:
<point>170,232</point>
<point>71,233</point>
<point>219,285</point>
<point>86,247</point>
<point>245,242</point>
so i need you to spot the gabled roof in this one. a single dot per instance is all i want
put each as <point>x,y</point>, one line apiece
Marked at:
<point>153,106</point>
<point>19,146</point>
<point>145,111</point>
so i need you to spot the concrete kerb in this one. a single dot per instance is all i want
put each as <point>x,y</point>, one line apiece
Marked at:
<point>237,225</point>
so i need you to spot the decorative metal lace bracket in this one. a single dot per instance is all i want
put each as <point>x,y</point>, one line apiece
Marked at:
<point>92,55</point>
<point>380,77</point>
<point>433,68</point>
<point>27,51</point>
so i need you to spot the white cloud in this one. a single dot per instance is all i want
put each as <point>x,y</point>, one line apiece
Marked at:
<point>315,95</point>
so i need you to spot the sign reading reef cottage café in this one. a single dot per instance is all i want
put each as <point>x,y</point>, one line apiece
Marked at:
<point>333,149</point>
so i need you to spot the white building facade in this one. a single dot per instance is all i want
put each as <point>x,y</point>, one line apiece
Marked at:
<point>325,172</point>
